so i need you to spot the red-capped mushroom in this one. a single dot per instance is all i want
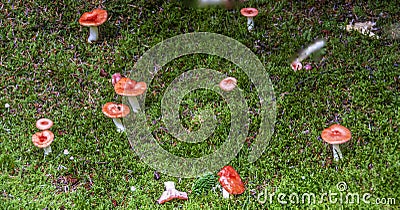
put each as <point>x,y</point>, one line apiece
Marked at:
<point>250,13</point>
<point>43,139</point>
<point>230,181</point>
<point>116,111</point>
<point>171,193</point>
<point>44,124</point>
<point>93,19</point>
<point>128,87</point>
<point>296,65</point>
<point>228,84</point>
<point>336,134</point>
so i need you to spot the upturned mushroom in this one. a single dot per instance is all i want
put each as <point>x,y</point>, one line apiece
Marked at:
<point>228,84</point>
<point>250,13</point>
<point>116,111</point>
<point>131,89</point>
<point>230,181</point>
<point>336,134</point>
<point>43,139</point>
<point>171,193</point>
<point>44,124</point>
<point>93,19</point>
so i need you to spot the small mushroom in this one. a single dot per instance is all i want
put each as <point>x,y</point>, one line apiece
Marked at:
<point>116,111</point>
<point>308,67</point>
<point>93,19</point>
<point>228,84</point>
<point>296,65</point>
<point>115,78</point>
<point>43,139</point>
<point>336,134</point>
<point>250,13</point>
<point>44,124</point>
<point>171,193</point>
<point>131,89</point>
<point>230,181</point>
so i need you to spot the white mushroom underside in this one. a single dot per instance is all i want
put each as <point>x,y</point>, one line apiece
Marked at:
<point>225,193</point>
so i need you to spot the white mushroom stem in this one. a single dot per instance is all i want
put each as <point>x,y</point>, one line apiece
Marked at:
<point>47,150</point>
<point>337,154</point>
<point>93,34</point>
<point>118,123</point>
<point>225,193</point>
<point>134,103</point>
<point>250,23</point>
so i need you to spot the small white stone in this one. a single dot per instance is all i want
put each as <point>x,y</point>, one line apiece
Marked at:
<point>303,177</point>
<point>133,188</point>
<point>7,106</point>
<point>71,158</point>
<point>66,152</point>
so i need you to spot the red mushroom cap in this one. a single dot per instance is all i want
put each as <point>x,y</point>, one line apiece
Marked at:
<point>249,12</point>
<point>230,180</point>
<point>336,134</point>
<point>228,84</point>
<point>43,139</point>
<point>115,78</point>
<point>296,65</point>
<point>114,110</point>
<point>129,87</point>
<point>93,18</point>
<point>44,124</point>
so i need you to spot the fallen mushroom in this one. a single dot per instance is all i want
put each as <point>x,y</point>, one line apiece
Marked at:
<point>116,111</point>
<point>230,181</point>
<point>93,19</point>
<point>171,193</point>
<point>228,84</point>
<point>44,124</point>
<point>43,139</point>
<point>131,89</point>
<point>250,13</point>
<point>336,134</point>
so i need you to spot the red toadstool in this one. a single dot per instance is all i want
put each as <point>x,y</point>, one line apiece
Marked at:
<point>130,88</point>
<point>44,124</point>
<point>171,193</point>
<point>250,13</point>
<point>228,84</point>
<point>93,19</point>
<point>336,134</point>
<point>116,111</point>
<point>230,181</point>
<point>296,65</point>
<point>43,139</point>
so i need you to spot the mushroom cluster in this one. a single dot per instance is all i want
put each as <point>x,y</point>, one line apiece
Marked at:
<point>45,137</point>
